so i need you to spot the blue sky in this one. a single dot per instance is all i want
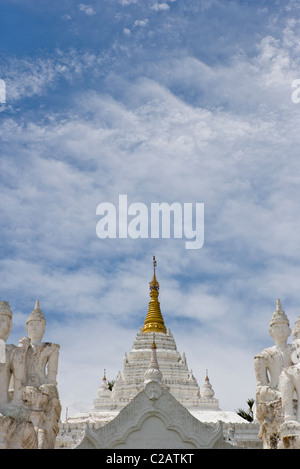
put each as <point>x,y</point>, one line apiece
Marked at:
<point>169,101</point>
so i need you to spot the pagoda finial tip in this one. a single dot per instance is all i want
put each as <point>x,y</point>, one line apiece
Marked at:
<point>154,283</point>
<point>154,321</point>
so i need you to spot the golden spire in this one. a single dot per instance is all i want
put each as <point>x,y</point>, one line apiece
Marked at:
<point>154,321</point>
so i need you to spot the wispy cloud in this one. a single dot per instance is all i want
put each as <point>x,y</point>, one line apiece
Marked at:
<point>87,9</point>
<point>160,6</point>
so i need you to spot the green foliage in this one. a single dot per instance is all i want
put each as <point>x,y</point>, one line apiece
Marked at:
<point>110,384</point>
<point>247,414</point>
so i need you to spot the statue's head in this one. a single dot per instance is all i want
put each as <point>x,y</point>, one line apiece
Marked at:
<point>5,320</point>
<point>36,324</point>
<point>279,326</point>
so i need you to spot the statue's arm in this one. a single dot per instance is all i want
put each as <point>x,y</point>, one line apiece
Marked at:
<point>18,367</point>
<point>52,366</point>
<point>261,368</point>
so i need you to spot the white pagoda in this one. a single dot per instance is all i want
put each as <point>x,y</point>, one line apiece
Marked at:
<point>176,377</point>
<point>153,356</point>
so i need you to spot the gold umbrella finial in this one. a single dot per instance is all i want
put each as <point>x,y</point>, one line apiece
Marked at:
<point>154,321</point>
<point>154,283</point>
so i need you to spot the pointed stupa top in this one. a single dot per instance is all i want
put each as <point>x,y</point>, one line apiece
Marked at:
<point>153,372</point>
<point>104,388</point>
<point>207,390</point>
<point>154,321</point>
<point>36,314</point>
<point>279,315</point>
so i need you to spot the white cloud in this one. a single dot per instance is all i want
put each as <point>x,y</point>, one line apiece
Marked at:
<point>160,6</point>
<point>127,2</point>
<point>66,17</point>
<point>26,78</point>
<point>141,23</point>
<point>87,9</point>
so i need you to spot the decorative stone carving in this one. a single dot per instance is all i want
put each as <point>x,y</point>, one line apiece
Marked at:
<point>17,433</point>
<point>16,429</point>
<point>278,379</point>
<point>153,390</point>
<point>40,393</point>
<point>154,419</point>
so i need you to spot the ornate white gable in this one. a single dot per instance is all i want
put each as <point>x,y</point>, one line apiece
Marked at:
<point>154,419</point>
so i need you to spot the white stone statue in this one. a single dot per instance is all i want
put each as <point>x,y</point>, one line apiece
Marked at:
<point>290,384</point>
<point>296,330</point>
<point>290,391</point>
<point>42,357</point>
<point>40,392</point>
<point>6,353</point>
<point>270,362</point>
<point>268,365</point>
<point>16,430</point>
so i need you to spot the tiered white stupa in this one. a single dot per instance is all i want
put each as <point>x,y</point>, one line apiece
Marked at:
<point>153,354</point>
<point>176,377</point>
